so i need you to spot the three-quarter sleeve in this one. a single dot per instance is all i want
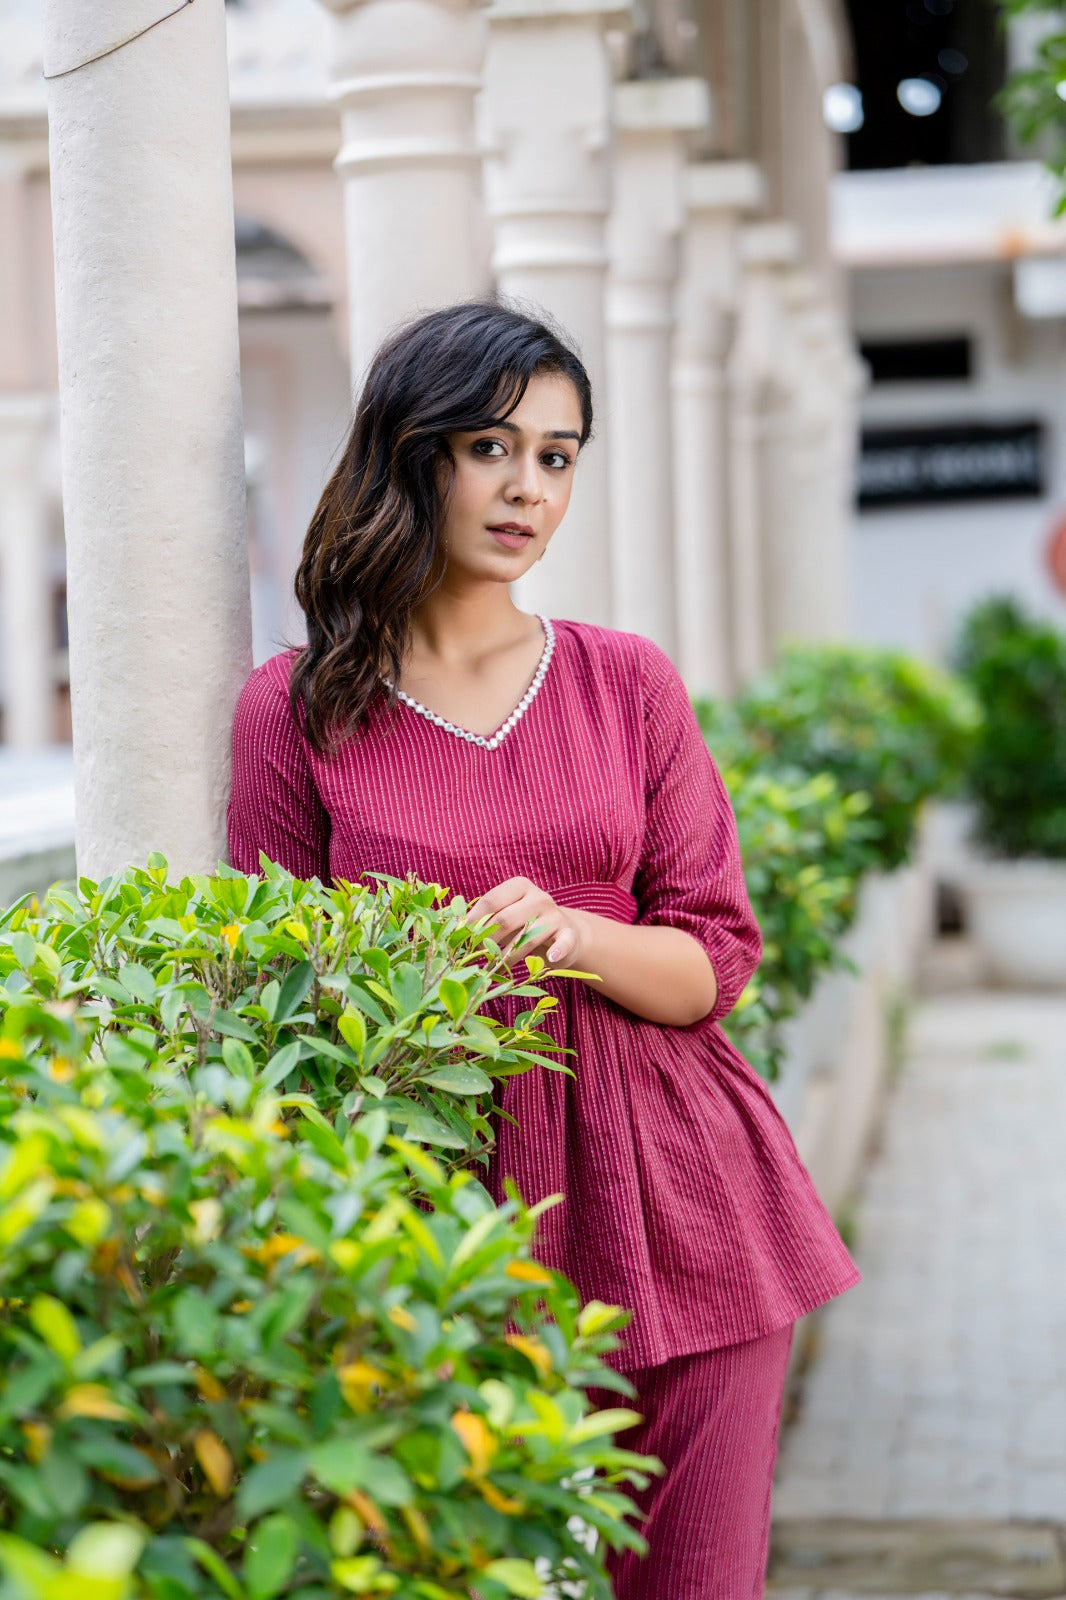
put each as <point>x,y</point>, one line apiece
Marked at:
<point>274,805</point>
<point>689,875</point>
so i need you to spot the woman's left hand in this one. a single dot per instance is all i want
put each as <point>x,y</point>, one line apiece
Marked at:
<point>513,906</point>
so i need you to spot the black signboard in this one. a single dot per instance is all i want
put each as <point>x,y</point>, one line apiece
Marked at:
<point>955,461</point>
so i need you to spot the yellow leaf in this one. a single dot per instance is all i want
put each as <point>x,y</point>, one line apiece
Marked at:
<point>499,1501</point>
<point>89,1221</point>
<point>400,1317</point>
<point>38,1437</point>
<point>533,1350</point>
<point>358,1380</point>
<point>368,1509</point>
<point>92,1400</point>
<point>346,1253</point>
<point>418,1528</point>
<point>208,1385</point>
<point>284,1244</point>
<point>215,1459</point>
<point>478,1439</point>
<point>297,931</point>
<point>207,1220</point>
<point>528,1272</point>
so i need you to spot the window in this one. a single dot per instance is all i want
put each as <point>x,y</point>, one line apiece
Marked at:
<point>927,70</point>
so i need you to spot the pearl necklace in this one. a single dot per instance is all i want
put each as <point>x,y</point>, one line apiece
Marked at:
<point>493,741</point>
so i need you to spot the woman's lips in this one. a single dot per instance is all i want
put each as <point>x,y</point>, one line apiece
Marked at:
<point>512,538</point>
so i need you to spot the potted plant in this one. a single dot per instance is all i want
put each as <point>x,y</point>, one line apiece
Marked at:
<point>1016,896</point>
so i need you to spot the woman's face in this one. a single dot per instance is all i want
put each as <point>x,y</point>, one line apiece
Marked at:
<point>512,484</point>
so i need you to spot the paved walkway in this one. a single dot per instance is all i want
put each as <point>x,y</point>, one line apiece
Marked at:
<point>933,1420</point>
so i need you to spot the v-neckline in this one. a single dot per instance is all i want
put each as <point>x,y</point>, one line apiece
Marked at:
<point>491,741</point>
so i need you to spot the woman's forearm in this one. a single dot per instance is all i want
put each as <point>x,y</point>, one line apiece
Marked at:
<point>659,973</point>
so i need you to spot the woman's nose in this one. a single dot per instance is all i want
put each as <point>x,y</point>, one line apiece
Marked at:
<point>525,484</point>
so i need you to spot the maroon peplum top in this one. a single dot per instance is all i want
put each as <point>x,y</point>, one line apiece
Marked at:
<point>685,1199</point>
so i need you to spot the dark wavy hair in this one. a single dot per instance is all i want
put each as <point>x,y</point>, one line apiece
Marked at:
<point>373,551</point>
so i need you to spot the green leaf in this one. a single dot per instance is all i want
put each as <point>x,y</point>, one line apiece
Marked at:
<point>271,1482</point>
<point>454,997</point>
<point>460,1078</point>
<point>342,1465</point>
<point>599,1423</point>
<point>517,1577</point>
<point>270,1556</point>
<point>352,1029</point>
<point>137,981</point>
<point>51,1319</point>
<point>213,1564</point>
<point>294,991</point>
<point>106,1550</point>
<point>280,1065</point>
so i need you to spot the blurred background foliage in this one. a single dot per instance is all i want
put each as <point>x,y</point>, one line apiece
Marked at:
<point>1016,668</point>
<point>828,758</point>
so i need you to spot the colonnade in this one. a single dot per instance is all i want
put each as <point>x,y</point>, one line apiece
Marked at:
<point>509,146</point>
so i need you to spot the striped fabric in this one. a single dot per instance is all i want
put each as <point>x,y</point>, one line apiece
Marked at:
<point>713,1421</point>
<point>685,1199</point>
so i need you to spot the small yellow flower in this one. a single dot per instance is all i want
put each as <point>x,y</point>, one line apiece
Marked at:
<point>230,934</point>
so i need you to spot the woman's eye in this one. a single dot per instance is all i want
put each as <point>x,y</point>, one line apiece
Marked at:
<point>487,447</point>
<point>557,459</point>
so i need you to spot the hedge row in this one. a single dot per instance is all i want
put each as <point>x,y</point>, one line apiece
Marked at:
<point>829,758</point>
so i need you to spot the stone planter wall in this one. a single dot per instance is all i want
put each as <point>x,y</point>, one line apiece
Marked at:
<point>839,1047</point>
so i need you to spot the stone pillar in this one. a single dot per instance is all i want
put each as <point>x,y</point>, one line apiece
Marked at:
<point>405,74</point>
<point>717,196</point>
<point>759,380</point>
<point>807,553</point>
<point>546,127</point>
<point>652,118</point>
<point>152,459</point>
<point>27,626</point>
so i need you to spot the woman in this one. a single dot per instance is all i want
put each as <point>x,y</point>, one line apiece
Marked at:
<point>554,775</point>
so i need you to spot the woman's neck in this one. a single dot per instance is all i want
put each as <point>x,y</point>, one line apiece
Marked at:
<point>455,627</point>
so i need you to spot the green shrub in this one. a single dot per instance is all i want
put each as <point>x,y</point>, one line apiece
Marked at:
<point>252,1343</point>
<point>828,758</point>
<point>345,994</point>
<point>802,843</point>
<point>1017,775</point>
<point>881,723</point>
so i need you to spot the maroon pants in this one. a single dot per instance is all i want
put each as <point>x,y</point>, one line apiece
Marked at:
<point>712,1419</point>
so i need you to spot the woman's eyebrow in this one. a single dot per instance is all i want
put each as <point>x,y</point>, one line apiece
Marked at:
<point>554,433</point>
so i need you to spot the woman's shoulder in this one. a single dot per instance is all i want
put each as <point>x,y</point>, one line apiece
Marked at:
<point>266,691</point>
<point>630,657</point>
